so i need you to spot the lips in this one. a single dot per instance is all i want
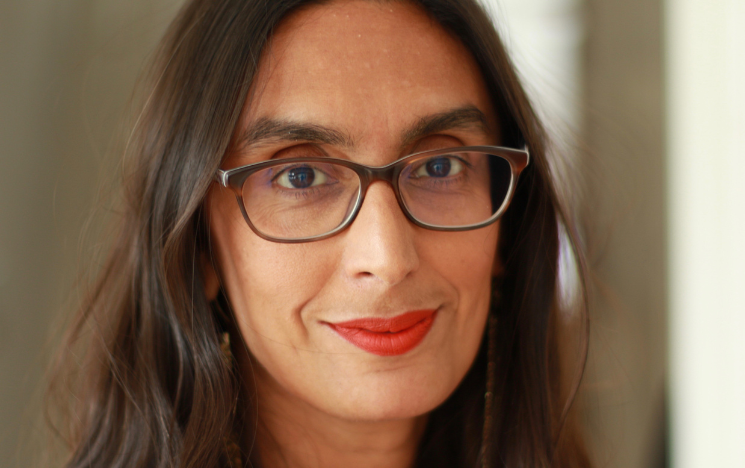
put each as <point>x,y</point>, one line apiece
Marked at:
<point>387,336</point>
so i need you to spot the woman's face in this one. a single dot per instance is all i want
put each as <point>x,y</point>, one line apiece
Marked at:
<point>387,81</point>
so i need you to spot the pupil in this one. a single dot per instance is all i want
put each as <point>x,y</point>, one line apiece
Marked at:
<point>301,177</point>
<point>439,167</point>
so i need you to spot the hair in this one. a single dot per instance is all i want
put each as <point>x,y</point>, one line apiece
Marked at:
<point>153,388</point>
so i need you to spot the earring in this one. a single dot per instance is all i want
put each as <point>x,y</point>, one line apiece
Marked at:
<point>491,368</point>
<point>232,449</point>
<point>227,354</point>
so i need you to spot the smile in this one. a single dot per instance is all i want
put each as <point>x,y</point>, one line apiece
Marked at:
<point>387,336</point>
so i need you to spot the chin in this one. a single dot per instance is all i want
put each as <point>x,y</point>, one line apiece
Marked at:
<point>392,397</point>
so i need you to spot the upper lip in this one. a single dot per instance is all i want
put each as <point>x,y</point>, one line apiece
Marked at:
<point>387,324</point>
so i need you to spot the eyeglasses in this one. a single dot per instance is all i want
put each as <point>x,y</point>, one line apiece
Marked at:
<point>308,199</point>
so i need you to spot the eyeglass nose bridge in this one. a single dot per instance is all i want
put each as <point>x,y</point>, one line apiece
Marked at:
<point>389,174</point>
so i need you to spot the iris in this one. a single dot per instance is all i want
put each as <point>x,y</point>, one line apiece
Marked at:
<point>439,167</point>
<point>301,177</point>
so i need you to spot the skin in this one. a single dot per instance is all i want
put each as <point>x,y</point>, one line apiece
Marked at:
<point>369,71</point>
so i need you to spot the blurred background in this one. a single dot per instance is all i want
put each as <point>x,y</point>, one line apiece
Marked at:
<point>647,97</point>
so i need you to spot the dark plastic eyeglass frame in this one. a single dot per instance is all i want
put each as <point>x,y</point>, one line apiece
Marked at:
<point>517,159</point>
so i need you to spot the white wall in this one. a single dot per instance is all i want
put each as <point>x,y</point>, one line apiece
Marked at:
<point>544,38</point>
<point>706,174</point>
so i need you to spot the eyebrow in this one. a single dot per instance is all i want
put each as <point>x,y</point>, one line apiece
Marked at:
<point>462,117</point>
<point>266,130</point>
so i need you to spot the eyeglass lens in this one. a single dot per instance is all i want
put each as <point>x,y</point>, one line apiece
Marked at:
<point>298,200</point>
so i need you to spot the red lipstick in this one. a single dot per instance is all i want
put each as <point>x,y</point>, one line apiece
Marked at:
<point>387,336</point>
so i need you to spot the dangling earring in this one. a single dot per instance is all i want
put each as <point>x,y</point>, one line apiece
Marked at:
<point>227,354</point>
<point>491,367</point>
<point>232,449</point>
<point>491,371</point>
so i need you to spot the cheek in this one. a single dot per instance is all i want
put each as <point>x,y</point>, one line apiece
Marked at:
<point>466,261</point>
<point>267,283</point>
<point>270,283</point>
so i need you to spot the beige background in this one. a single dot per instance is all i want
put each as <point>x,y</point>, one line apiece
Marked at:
<point>67,70</point>
<point>624,129</point>
<point>66,73</point>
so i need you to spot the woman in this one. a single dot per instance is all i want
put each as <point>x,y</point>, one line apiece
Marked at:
<point>275,298</point>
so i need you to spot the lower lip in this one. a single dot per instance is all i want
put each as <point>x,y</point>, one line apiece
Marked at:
<point>387,337</point>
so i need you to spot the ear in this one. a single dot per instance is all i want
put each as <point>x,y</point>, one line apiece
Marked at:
<point>209,277</point>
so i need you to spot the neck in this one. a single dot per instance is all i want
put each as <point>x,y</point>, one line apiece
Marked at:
<point>293,434</point>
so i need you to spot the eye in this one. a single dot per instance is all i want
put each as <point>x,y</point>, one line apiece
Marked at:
<point>301,177</point>
<point>439,167</point>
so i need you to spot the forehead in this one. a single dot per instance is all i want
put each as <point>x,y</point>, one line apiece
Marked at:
<point>368,68</point>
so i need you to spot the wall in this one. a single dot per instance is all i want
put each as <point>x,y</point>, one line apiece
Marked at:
<point>624,130</point>
<point>705,62</point>
<point>67,70</point>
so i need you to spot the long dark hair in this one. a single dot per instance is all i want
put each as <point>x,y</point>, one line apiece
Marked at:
<point>154,388</point>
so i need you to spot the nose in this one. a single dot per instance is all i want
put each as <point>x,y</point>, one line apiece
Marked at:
<point>380,242</point>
